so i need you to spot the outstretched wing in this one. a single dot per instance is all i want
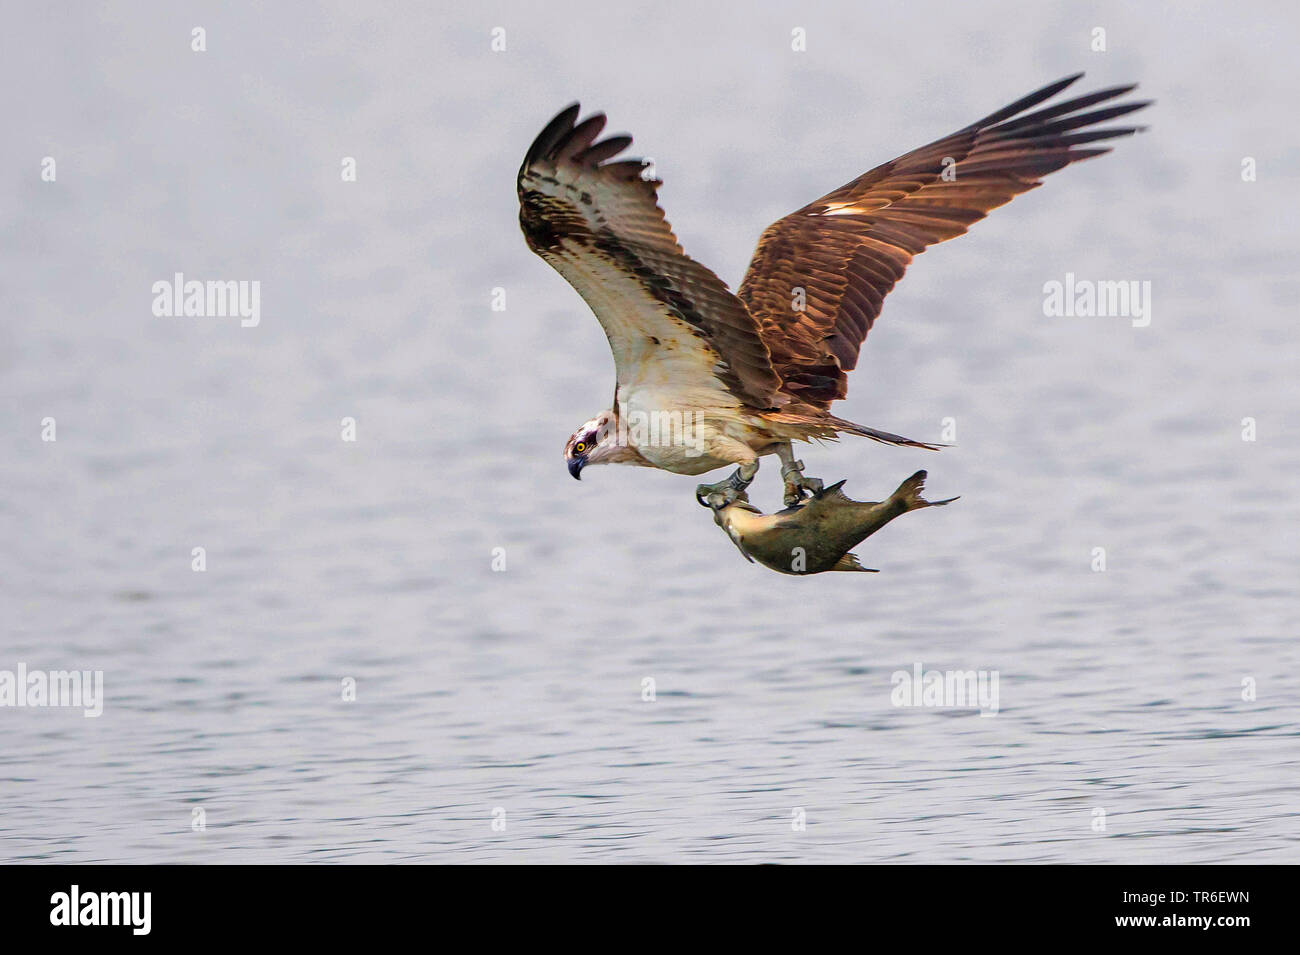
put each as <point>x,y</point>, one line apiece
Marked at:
<point>671,323</point>
<point>848,249</point>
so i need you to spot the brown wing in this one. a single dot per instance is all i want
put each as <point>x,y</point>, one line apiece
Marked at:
<point>848,249</point>
<point>671,323</point>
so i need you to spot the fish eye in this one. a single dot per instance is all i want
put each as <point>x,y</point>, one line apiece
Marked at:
<point>580,447</point>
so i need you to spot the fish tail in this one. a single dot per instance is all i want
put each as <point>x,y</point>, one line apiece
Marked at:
<point>908,495</point>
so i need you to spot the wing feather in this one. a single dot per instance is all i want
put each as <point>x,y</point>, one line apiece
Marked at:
<point>848,249</point>
<point>671,322</point>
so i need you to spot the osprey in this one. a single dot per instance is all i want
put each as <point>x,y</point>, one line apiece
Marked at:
<point>731,377</point>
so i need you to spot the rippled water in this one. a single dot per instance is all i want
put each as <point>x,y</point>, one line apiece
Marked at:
<point>521,690</point>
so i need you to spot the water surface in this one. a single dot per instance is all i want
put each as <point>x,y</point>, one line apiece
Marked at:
<point>521,689</point>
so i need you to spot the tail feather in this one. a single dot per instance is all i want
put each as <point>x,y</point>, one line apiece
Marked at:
<point>884,437</point>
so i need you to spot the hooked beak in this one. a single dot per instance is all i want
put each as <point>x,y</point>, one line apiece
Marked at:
<point>576,464</point>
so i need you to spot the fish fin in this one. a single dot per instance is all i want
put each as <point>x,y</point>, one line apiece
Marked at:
<point>909,493</point>
<point>834,493</point>
<point>851,562</point>
<point>735,539</point>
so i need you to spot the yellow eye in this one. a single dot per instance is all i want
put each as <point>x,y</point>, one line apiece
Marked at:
<point>580,447</point>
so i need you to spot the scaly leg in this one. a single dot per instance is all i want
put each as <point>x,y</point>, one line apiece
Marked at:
<point>730,488</point>
<point>792,473</point>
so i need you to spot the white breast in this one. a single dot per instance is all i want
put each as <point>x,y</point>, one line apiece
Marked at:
<point>683,430</point>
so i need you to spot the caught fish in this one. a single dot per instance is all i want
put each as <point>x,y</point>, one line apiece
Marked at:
<point>815,535</point>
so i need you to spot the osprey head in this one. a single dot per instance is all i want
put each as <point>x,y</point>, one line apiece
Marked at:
<point>596,442</point>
